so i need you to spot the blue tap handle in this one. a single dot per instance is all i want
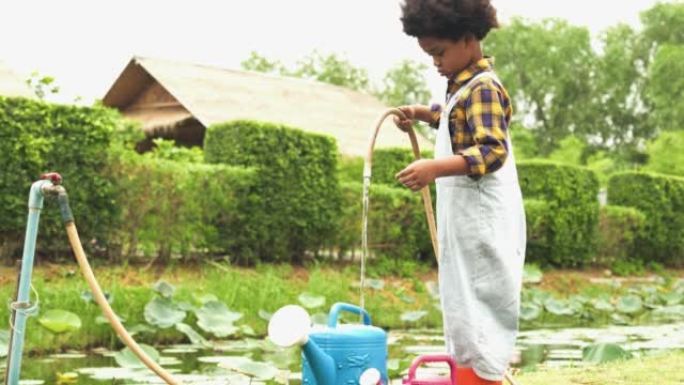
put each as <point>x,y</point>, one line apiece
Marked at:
<point>339,306</point>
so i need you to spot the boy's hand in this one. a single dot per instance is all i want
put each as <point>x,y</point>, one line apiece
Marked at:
<point>418,174</point>
<point>405,124</point>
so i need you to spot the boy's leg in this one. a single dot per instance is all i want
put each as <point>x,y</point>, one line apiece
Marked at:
<point>467,376</point>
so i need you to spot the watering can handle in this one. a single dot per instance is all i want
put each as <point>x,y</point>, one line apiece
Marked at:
<point>432,358</point>
<point>336,308</point>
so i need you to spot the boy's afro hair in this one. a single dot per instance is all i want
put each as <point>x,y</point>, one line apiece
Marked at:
<point>448,19</point>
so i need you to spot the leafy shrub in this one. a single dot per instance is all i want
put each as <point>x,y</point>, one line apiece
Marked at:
<point>36,137</point>
<point>295,202</point>
<point>178,208</point>
<point>570,194</point>
<point>536,218</point>
<point>661,199</point>
<point>397,227</point>
<point>619,229</point>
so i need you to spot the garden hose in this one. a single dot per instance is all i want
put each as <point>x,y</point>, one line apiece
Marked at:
<point>425,192</point>
<point>99,297</point>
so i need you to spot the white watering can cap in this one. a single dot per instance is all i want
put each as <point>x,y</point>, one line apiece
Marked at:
<point>370,376</point>
<point>289,326</point>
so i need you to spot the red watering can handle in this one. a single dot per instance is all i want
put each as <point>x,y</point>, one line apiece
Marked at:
<point>432,358</point>
<point>53,177</point>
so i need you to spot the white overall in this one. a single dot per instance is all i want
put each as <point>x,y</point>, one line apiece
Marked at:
<point>481,232</point>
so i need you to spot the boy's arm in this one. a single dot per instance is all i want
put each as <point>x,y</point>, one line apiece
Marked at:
<point>486,117</point>
<point>416,112</point>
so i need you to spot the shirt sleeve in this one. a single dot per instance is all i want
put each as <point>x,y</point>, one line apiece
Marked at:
<point>435,114</point>
<point>486,118</point>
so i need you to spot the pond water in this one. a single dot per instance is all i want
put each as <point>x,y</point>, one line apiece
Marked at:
<point>264,363</point>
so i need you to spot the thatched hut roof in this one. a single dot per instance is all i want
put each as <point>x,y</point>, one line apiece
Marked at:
<point>213,95</point>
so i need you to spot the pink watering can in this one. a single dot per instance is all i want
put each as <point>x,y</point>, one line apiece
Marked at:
<point>411,379</point>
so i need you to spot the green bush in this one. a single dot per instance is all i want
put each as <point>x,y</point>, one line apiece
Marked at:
<point>36,137</point>
<point>570,194</point>
<point>661,199</point>
<point>397,228</point>
<point>178,208</point>
<point>619,229</point>
<point>295,203</point>
<point>350,168</point>
<point>536,219</point>
<point>387,162</point>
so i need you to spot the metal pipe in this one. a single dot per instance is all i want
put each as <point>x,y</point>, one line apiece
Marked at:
<point>22,307</point>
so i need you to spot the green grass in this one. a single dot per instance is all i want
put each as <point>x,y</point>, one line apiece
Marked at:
<point>661,369</point>
<point>265,287</point>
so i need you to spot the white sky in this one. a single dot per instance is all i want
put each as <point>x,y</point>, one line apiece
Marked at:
<point>85,44</point>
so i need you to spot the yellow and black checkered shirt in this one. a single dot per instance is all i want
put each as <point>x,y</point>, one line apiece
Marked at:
<point>479,122</point>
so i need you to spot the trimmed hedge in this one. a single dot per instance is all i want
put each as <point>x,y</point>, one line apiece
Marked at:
<point>536,220</point>
<point>36,137</point>
<point>397,228</point>
<point>387,162</point>
<point>572,207</point>
<point>619,230</point>
<point>178,208</point>
<point>295,202</point>
<point>661,199</point>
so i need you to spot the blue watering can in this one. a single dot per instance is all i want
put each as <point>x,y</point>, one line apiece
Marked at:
<point>345,354</point>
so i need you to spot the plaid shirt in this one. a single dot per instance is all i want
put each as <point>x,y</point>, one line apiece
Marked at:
<point>479,121</point>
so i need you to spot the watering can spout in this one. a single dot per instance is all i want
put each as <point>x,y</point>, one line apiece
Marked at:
<point>290,326</point>
<point>322,365</point>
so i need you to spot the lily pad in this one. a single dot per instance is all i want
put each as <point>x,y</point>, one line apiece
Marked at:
<point>600,353</point>
<point>311,301</point>
<point>629,304</point>
<point>669,313</point>
<point>215,317</point>
<point>413,316</point>
<point>671,299</point>
<point>141,328</point>
<point>530,311</point>
<point>60,321</point>
<point>164,288</point>
<point>319,319</point>
<point>376,284</point>
<point>602,304</point>
<point>264,315</point>
<point>532,274</point>
<point>163,313</point>
<point>558,307</point>
<point>260,370</point>
<point>87,296</point>
<point>194,337</point>
<point>101,319</point>
<point>127,359</point>
<point>204,298</point>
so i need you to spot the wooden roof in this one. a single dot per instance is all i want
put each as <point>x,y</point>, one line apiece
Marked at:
<point>213,95</point>
<point>12,85</point>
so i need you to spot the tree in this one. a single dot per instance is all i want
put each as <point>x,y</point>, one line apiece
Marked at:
<point>41,85</point>
<point>547,67</point>
<point>405,84</point>
<point>665,154</point>
<point>620,109</point>
<point>331,69</point>
<point>256,62</point>
<point>665,88</point>
<point>664,24</point>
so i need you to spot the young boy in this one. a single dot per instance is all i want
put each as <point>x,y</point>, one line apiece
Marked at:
<point>480,216</point>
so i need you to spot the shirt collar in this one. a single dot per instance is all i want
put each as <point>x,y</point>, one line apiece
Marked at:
<point>484,64</point>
